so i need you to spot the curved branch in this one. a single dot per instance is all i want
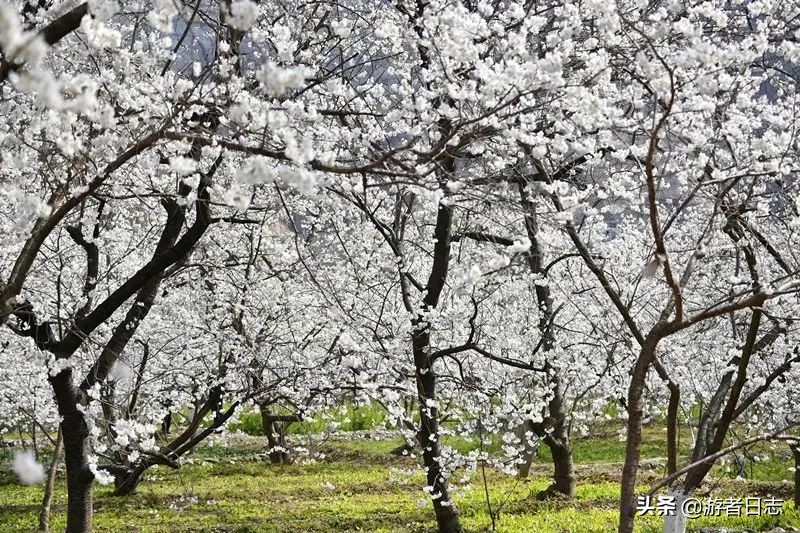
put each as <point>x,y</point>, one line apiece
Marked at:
<point>51,34</point>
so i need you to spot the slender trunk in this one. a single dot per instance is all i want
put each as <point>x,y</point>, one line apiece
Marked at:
<point>627,505</point>
<point>44,510</point>
<point>166,424</point>
<point>672,427</point>
<point>34,440</point>
<point>139,378</point>
<point>558,439</point>
<point>21,430</point>
<point>796,453</point>
<point>429,436</point>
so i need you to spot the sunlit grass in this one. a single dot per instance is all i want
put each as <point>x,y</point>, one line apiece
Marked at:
<point>360,486</point>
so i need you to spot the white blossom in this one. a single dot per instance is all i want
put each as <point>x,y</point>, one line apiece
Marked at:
<point>242,14</point>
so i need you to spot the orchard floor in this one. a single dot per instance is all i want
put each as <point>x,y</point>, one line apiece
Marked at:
<point>360,486</point>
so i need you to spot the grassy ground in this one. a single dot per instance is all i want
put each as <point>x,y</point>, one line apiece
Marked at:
<point>359,486</point>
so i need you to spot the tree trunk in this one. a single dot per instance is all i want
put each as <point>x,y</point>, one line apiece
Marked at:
<point>127,478</point>
<point>126,482</point>
<point>796,453</point>
<point>554,432</point>
<point>166,424</point>
<point>429,436</point>
<point>558,439</point>
<point>75,436</point>
<point>564,472</point>
<point>79,476</point>
<point>33,438</point>
<point>672,426</point>
<point>627,505</point>
<point>268,428</point>
<point>276,439</point>
<point>44,510</point>
<point>676,523</point>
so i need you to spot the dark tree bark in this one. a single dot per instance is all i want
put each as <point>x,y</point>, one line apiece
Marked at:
<point>634,434</point>
<point>75,434</point>
<point>564,471</point>
<point>142,304</point>
<point>166,424</point>
<point>51,34</point>
<point>672,426</point>
<point>429,436</point>
<point>558,439</point>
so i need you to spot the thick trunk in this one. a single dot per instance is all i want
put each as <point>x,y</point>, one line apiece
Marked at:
<point>79,476</point>
<point>75,435</point>
<point>558,440</point>
<point>563,468</point>
<point>275,453</point>
<point>676,522</point>
<point>554,432</point>
<point>126,482</point>
<point>564,472</point>
<point>44,510</point>
<point>276,438</point>
<point>627,508</point>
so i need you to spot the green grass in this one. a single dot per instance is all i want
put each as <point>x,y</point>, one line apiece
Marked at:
<point>348,417</point>
<point>232,488</point>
